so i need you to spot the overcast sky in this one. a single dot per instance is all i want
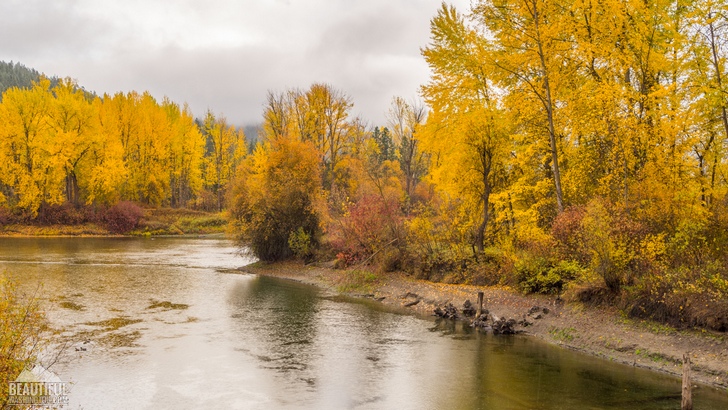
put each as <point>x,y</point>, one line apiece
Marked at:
<point>224,55</point>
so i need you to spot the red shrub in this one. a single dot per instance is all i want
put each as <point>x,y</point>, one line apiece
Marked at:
<point>122,217</point>
<point>6,217</point>
<point>65,214</point>
<point>370,225</point>
<point>567,231</point>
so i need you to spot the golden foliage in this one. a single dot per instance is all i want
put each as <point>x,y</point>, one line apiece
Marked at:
<point>61,145</point>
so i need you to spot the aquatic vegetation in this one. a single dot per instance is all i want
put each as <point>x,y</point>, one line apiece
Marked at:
<point>166,305</point>
<point>114,323</point>
<point>66,304</point>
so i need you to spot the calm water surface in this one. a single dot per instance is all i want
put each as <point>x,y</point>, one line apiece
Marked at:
<point>169,324</point>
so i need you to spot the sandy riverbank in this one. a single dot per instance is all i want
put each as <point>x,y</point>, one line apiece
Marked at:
<point>596,331</point>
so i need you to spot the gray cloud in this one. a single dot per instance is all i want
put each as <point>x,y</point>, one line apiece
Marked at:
<point>224,55</point>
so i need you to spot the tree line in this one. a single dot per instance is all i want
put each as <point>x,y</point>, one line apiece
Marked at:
<point>574,147</point>
<point>62,145</point>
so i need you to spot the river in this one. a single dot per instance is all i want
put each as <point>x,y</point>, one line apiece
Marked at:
<point>168,323</point>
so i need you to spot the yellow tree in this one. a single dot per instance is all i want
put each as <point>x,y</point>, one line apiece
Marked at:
<point>329,109</point>
<point>185,154</point>
<point>709,52</point>
<point>28,174</point>
<point>107,172</point>
<point>319,115</point>
<point>225,149</point>
<point>531,54</point>
<point>276,198</point>
<point>466,133</point>
<point>629,113</point>
<point>277,116</point>
<point>142,127</point>
<point>74,123</point>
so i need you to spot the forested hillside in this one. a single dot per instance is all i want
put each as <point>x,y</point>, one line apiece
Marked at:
<point>17,75</point>
<point>564,147</point>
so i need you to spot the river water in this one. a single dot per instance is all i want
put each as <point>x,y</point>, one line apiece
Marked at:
<point>168,323</point>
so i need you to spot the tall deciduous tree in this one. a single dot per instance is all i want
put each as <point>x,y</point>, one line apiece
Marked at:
<point>74,124</point>
<point>708,32</point>
<point>225,150</point>
<point>405,121</point>
<point>28,175</point>
<point>185,156</point>
<point>531,53</point>
<point>467,132</point>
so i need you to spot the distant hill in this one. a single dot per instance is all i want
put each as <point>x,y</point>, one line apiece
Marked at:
<point>17,75</point>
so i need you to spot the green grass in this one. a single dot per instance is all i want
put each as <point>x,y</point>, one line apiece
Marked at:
<point>648,325</point>
<point>656,357</point>
<point>170,221</point>
<point>358,281</point>
<point>566,334</point>
<point>72,306</point>
<point>162,221</point>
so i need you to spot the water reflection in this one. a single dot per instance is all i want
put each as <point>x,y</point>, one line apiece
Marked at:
<point>166,324</point>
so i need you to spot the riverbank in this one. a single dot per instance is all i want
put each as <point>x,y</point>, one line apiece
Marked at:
<point>152,222</point>
<point>596,331</point>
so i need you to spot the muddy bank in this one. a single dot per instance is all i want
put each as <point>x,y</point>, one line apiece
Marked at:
<point>599,332</point>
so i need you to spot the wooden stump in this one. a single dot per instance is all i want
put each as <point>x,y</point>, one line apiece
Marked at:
<point>480,305</point>
<point>687,395</point>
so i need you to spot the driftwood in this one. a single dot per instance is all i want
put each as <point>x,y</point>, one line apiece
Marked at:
<point>449,312</point>
<point>504,326</point>
<point>484,321</point>
<point>468,309</point>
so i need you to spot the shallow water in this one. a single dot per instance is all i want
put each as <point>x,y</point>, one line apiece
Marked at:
<point>168,323</point>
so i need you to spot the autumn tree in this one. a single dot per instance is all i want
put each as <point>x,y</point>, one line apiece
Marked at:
<point>63,145</point>
<point>107,170</point>
<point>467,132</point>
<point>74,125</point>
<point>405,121</point>
<point>276,198</point>
<point>22,327</point>
<point>531,55</point>
<point>225,149</point>
<point>708,30</point>
<point>28,175</point>
<point>144,132</point>
<point>186,152</point>
<point>319,115</point>
<point>277,117</point>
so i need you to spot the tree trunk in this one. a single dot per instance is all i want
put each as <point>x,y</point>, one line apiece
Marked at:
<point>548,103</point>
<point>718,75</point>
<point>71,188</point>
<point>486,216</point>
<point>486,158</point>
